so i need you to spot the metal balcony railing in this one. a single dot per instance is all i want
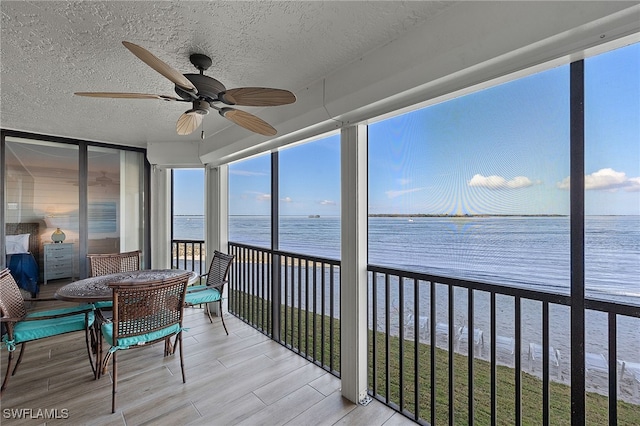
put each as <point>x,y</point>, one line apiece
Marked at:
<point>445,350</point>
<point>420,364</point>
<point>305,317</point>
<point>189,255</point>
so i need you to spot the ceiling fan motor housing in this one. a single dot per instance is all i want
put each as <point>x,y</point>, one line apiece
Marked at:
<point>208,88</point>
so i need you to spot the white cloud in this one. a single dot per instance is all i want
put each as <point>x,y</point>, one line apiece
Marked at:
<point>498,182</point>
<point>327,203</point>
<point>404,182</point>
<point>287,199</point>
<point>565,184</point>
<point>394,194</point>
<point>605,180</point>
<point>259,196</point>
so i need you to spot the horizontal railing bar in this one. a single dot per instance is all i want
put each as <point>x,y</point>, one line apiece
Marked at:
<point>311,258</point>
<point>559,299</point>
<point>612,307</point>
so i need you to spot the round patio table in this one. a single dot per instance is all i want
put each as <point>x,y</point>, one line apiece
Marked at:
<point>96,289</point>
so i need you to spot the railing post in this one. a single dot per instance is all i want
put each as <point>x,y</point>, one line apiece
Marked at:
<point>577,243</point>
<point>275,245</point>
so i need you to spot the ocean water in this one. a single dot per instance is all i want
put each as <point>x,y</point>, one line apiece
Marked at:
<point>529,252</point>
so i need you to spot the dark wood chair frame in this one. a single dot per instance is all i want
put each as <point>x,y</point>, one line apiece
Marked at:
<point>105,264</point>
<point>216,277</point>
<point>13,311</point>
<point>140,308</point>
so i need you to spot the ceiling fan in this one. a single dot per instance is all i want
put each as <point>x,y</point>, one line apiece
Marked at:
<point>205,92</point>
<point>102,180</point>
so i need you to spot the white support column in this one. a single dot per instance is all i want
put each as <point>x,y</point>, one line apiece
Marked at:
<point>353,272</point>
<point>216,207</point>
<point>160,218</point>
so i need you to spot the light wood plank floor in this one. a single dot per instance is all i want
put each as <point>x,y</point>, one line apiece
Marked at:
<point>241,379</point>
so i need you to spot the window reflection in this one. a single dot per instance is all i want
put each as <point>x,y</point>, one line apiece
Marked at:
<point>42,187</point>
<point>114,196</point>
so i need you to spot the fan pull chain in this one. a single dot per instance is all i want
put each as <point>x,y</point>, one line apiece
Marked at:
<point>202,132</point>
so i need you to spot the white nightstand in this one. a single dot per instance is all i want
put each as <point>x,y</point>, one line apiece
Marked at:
<point>58,261</point>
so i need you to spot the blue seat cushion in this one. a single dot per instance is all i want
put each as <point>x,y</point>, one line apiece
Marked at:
<point>107,332</point>
<point>26,331</point>
<point>104,305</point>
<point>70,309</point>
<point>204,296</point>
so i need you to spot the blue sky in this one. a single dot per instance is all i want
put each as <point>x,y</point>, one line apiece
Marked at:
<point>188,194</point>
<point>503,150</point>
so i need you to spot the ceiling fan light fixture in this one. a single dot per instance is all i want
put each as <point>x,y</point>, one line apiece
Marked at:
<point>199,107</point>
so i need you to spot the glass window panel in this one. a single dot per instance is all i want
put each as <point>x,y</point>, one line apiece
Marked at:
<point>310,198</point>
<point>250,201</point>
<point>469,188</point>
<point>612,174</point>
<point>114,209</point>
<point>188,204</point>
<point>42,187</point>
<point>612,213</point>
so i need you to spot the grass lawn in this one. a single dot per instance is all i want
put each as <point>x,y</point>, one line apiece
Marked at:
<point>531,402</point>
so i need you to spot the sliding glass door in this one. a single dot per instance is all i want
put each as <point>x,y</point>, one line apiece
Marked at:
<point>85,198</point>
<point>114,200</point>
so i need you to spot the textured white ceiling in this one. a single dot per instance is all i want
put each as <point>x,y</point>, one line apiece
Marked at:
<point>51,49</point>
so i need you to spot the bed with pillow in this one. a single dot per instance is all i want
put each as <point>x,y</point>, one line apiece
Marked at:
<point>23,251</point>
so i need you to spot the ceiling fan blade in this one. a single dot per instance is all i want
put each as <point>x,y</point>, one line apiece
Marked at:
<point>188,122</point>
<point>257,96</point>
<point>119,95</point>
<point>248,121</point>
<point>157,64</point>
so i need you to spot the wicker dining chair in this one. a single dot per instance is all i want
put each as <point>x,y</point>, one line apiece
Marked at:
<point>105,264</point>
<point>211,292</point>
<point>111,263</point>
<point>144,313</point>
<point>20,327</point>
